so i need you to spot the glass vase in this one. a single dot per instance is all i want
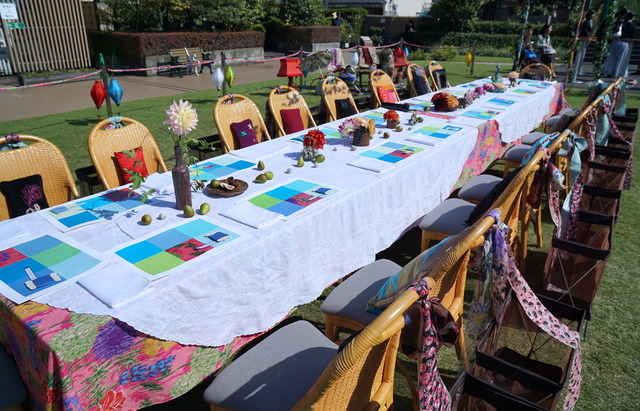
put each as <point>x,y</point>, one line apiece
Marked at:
<point>181,181</point>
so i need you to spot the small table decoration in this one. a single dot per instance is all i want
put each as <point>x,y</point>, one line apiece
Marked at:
<point>360,129</point>
<point>445,101</point>
<point>313,141</point>
<point>513,78</point>
<point>393,119</point>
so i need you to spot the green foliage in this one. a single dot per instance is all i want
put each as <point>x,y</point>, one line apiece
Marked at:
<point>458,15</point>
<point>375,33</point>
<point>352,22</point>
<point>148,15</point>
<point>272,25</point>
<point>302,12</point>
<point>232,15</point>
<point>418,55</point>
<point>444,54</point>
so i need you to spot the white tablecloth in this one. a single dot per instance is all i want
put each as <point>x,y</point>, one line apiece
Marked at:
<point>249,287</point>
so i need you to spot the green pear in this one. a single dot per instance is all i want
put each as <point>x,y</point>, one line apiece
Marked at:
<point>300,162</point>
<point>188,211</point>
<point>261,179</point>
<point>269,175</point>
<point>204,208</point>
<point>319,158</point>
<point>215,183</point>
<point>260,165</point>
<point>146,219</point>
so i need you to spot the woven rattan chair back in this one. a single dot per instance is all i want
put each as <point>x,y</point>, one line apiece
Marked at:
<point>361,376</point>
<point>536,71</point>
<point>42,157</point>
<point>335,89</point>
<point>380,78</point>
<point>411,80</point>
<point>104,143</point>
<point>235,108</point>
<point>437,83</point>
<point>284,97</point>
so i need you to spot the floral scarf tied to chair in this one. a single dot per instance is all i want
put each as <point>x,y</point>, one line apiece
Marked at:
<point>503,268</point>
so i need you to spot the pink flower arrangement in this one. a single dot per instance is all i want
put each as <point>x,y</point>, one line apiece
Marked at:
<point>349,127</point>
<point>488,87</point>
<point>470,95</point>
<point>479,91</point>
<point>182,119</point>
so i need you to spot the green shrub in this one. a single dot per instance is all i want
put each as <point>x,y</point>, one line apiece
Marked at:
<point>419,55</point>
<point>258,27</point>
<point>272,25</point>
<point>444,54</point>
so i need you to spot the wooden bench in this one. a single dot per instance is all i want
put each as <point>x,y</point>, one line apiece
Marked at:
<point>187,55</point>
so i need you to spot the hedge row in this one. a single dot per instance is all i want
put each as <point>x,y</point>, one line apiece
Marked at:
<point>140,45</point>
<point>309,34</point>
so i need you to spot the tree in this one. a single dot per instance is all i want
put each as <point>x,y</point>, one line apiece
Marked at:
<point>457,15</point>
<point>302,12</point>
<point>233,15</point>
<point>147,15</point>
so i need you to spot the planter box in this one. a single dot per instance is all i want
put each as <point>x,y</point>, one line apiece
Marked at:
<point>28,80</point>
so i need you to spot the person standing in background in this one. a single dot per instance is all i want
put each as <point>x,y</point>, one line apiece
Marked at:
<point>617,49</point>
<point>337,20</point>
<point>584,34</point>
<point>409,31</point>
<point>628,31</point>
<point>544,48</point>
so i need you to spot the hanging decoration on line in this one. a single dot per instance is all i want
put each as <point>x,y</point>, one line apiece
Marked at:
<point>355,59</point>
<point>229,76</point>
<point>218,79</point>
<point>115,92</point>
<point>98,94</point>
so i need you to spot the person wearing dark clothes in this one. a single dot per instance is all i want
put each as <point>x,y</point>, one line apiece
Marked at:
<point>584,34</point>
<point>409,31</point>
<point>544,48</point>
<point>337,21</point>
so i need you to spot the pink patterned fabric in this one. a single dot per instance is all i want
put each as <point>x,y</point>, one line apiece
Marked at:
<point>488,148</point>
<point>613,128</point>
<point>574,207</point>
<point>432,392</point>
<point>559,102</point>
<point>504,266</point>
<point>85,362</point>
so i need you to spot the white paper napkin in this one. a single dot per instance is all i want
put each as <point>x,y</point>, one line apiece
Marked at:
<point>252,215</point>
<point>371,164</point>
<point>11,229</point>
<point>114,284</point>
<point>429,141</point>
<point>260,151</point>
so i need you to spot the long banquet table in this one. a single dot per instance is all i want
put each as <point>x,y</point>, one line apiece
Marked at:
<point>189,316</point>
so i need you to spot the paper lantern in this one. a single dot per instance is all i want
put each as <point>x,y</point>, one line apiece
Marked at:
<point>229,76</point>
<point>468,58</point>
<point>399,58</point>
<point>98,93</point>
<point>289,68</point>
<point>115,91</point>
<point>218,78</point>
<point>355,59</point>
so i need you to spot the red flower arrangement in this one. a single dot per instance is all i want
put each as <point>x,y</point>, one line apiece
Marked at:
<point>444,101</point>
<point>314,138</point>
<point>391,115</point>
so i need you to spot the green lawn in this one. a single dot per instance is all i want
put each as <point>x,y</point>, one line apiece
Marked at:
<point>611,359</point>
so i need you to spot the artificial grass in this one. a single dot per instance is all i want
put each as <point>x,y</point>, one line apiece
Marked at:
<point>611,359</point>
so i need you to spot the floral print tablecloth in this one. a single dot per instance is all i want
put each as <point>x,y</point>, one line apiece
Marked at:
<point>75,361</point>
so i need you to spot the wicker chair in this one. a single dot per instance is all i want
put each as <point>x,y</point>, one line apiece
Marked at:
<point>298,368</point>
<point>437,76</point>
<point>380,78</point>
<point>335,89</point>
<point>284,97</point>
<point>104,143</point>
<point>235,108</point>
<point>536,71</point>
<point>40,157</point>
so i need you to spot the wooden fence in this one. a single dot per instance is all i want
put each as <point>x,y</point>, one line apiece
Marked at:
<point>47,35</point>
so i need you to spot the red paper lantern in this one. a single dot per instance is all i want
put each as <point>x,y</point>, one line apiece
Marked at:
<point>98,93</point>
<point>400,58</point>
<point>289,68</point>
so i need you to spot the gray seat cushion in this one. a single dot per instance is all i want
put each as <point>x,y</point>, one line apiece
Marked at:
<point>533,138</point>
<point>478,187</point>
<point>551,121</point>
<point>516,153</point>
<point>448,217</point>
<point>276,373</point>
<point>350,298</point>
<point>12,389</point>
